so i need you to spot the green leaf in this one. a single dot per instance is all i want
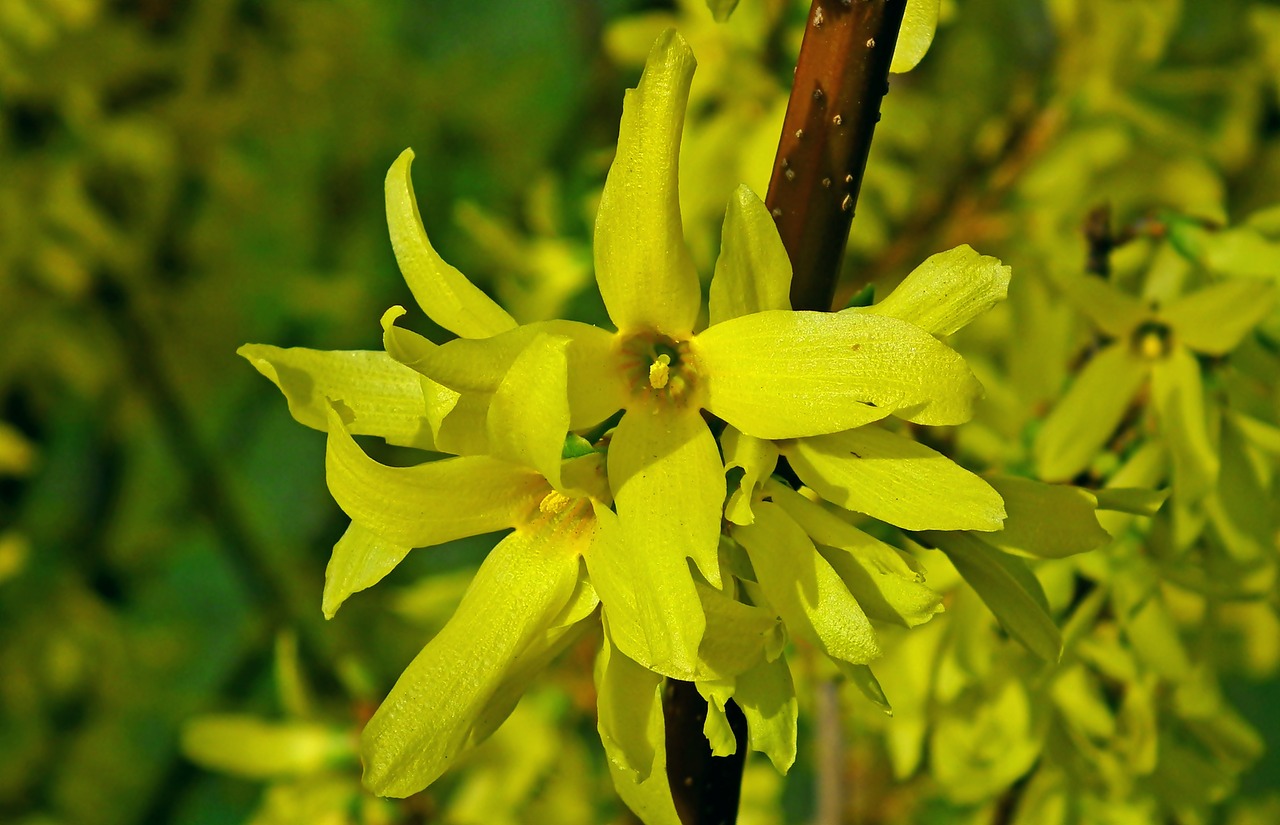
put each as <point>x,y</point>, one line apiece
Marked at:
<point>1047,521</point>
<point>1088,414</point>
<point>377,395</point>
<point>804,589</point>
<point>753,272</point>
<point>895,479</point>
<point>443,292</point>
<point>360,559</point>
<point>428,718</point>
<point>948,290</point>
<point>1009,589</point>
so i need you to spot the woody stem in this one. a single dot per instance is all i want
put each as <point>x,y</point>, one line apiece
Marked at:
<point>841,77</point>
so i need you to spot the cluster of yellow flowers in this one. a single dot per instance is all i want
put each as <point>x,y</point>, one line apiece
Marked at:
<point>635,469</point>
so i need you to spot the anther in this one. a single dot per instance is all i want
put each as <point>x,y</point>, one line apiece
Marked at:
<point>660,371</point>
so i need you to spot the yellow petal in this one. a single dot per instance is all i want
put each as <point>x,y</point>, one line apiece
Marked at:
<point>443,292</point>
<point>919,22</point>
<point>1178,394</point>
<point>753,272</point>
<point>947,291</point>
<point>737,638</point>
<point>431,503</point>
<point>258,749</point>
<point>895,479</point>
<point>643,267</point>
<point>668,485</point>
<point>783,375</point>
<point>1048,521</point>
<point>1215,319</point>
<point>378,395</point>
<point>360,559</point>
<point>654,613</point>
<point>620,721</point>
<point>1112,311</point>
<point>757,458</point>
<point>529,413</point>
<point>767,698</point>
<point>426,721</point>
<point>804,589</point>
<point>1088,414</point>
<point>596,388</point>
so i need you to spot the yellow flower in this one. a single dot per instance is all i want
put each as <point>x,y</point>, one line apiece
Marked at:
<point>769,372</point>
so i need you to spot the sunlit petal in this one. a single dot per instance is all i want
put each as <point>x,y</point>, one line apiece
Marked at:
<point>1215,319</point>
<point>753,272</point>
<point>529,413</point>
<point>1178,395</point>
<point>947,291</point>
<point>360,559</point>
<point>787,374</point>
<point>643,267</point>
<point>430,503</point>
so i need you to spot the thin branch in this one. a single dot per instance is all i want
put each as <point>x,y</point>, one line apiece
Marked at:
<point>841,77</point>
<point>705,788</point>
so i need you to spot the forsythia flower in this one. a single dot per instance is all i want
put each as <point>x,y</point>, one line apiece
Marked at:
<point>616,523</point>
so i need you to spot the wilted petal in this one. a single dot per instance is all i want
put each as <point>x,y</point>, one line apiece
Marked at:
<point>804,589</point>
<point>1215,319</point>
<point>947,291</point>
<point>427,719</point>
<point>378,395</point>
<point>783,374</point>
<point>443,292</point>
<point>643,267</point>
<point>360,559</point>
<point>1088,414</point>
<point>1178,395</point>
<point>895,479</point>
<point>431,503</point>
<point>753,272</point>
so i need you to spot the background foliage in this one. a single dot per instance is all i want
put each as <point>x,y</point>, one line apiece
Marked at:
<point>177,178</point>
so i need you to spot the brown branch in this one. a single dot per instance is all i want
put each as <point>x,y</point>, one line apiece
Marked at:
<point>705,788</point>
<point>841,77</point>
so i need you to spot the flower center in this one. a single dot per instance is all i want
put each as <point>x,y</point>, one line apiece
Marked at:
<point>1152,340</point>
<point>659,368</point>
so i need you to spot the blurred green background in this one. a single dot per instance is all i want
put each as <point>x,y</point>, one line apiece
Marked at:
<point>179,177</point>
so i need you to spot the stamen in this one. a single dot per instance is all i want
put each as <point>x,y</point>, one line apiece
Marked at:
<point>553,503</point>
<point>660,371</point>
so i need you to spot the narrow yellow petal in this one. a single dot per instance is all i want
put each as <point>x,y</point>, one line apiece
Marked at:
<point>360,559</point>
<point>1178,394</point>
<point>643,266</point>
<point>631,723</point>
<point>1112,311</point>
<point>757,458</point>
<point>654,613</point>
<point>895,479</point>
<point>737,638</point>
<point>378,395</point>
<point>947,291</point>
<point>444,293</point>
<point>427,720</point>
<point>1048,521</point>
<point>668,485</point>
<point>804,589</point>
<point>919,22</point>
<point>529,413</point>
<point>753,272</point>
<point>431,503</point>
<point>767,698</point>
<point>1215,319</point>
<point>1088,414</point>
<point>783,375</point>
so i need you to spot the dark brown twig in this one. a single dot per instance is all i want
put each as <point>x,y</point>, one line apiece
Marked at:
<point>841,77</point>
